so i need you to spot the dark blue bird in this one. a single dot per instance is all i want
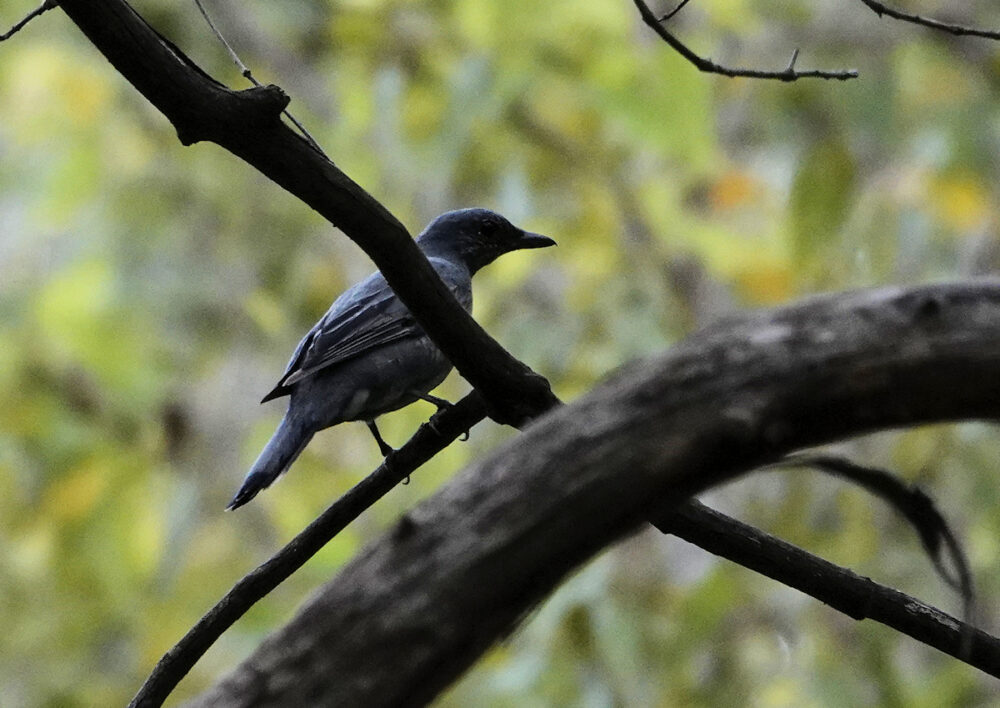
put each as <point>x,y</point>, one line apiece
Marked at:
<point>367,356</point>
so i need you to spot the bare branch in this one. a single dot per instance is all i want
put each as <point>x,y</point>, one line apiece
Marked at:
<point>841,589</point>
<point>960,30</point>
<point>431,438</point>
<point>248,124</point>
<point>413,610</point>
<point>673,12</point>
<point>789,73</point>
<point>41,9</point>
<point>248,75</point>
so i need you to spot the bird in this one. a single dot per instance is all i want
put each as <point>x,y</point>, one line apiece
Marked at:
<point>367,355</point>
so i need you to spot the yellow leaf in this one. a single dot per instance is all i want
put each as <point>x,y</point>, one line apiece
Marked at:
<point>733,189</point>
<point>73,496</point>
<point>960,202</point>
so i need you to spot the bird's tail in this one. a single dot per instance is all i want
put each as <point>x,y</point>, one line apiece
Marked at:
<point>277,456</point>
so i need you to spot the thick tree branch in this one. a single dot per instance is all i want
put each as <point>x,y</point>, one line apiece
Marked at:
<point>248,124</point>
<point>415,609</point>
<point>702,526</point>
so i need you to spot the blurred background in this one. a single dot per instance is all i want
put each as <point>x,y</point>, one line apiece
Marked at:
<point>151,294</point>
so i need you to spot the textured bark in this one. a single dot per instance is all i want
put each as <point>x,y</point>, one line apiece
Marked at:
<point>416,608</point>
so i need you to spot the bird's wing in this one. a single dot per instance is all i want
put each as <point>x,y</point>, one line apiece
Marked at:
<point>365,317</point>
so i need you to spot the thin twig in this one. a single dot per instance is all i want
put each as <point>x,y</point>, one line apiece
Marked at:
<point>248,75</point>
<point>914,505</point>
<point>959,30</point>
<point>674,11</point>
<point>709,66</point>
<point>41,9</point>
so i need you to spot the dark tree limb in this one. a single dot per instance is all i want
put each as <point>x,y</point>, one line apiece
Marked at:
<point>248,124</point>
<point>416,608</point>
<point>789,73</point>
<point>845,591</point>
<point>429,440</point>
<point>881,9</point>
<point>449,423</point>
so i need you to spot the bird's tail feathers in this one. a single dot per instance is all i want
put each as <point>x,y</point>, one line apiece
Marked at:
<point>274,460</point>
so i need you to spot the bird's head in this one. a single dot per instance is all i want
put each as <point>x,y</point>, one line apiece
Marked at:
<point>477,236</point>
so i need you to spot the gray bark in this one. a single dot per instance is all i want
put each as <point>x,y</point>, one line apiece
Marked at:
<point>417,607</point>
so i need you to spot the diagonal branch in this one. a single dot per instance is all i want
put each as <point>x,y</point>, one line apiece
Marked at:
<point>430,439</point>
<point>881,9</point>
<point>789,73</point>
<point>847,592</point>
<point>248,124</point>
<point>696,523</point>
<point>41,9</point>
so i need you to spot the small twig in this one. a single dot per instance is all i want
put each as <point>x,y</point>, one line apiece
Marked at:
<point>43,8</point>
<point>960,30</point>
<point>914,505</point>
<point>791,63</point>
<point>709,66</point>
<point>248,75</point>
<point>674,11</point>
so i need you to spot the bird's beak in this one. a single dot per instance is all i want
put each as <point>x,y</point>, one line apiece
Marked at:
<point>533,240</point>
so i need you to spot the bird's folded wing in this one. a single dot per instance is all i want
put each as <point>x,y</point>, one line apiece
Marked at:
<point>326,351</point>
<point>364,318</point>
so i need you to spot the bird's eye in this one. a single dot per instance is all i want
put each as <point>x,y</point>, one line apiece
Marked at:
<point>491,227</point>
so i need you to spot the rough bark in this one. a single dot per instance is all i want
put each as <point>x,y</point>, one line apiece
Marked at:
<point>417,607</point>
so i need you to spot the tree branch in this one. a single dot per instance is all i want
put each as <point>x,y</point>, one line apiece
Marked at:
<point>41,9</point>
<point>881,9</point>
<point>430,439</point>
<point>413,610</point>
<point>248,124</point>
<point>789,73</point>
<point>841,589</point>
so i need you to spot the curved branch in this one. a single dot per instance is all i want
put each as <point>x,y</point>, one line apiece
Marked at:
<point>248,124</point>
<point>881,9</point>
<point>416,608</point>
<point>789,73</point>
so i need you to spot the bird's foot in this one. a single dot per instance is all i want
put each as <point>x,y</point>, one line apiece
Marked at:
<point>385,448</point>
<point>432,424</point>
<point>442,404</point>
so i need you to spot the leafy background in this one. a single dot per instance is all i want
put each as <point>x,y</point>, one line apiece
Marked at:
<point>149,295</point>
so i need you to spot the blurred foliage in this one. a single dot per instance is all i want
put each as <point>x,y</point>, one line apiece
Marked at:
<point>149,295</point>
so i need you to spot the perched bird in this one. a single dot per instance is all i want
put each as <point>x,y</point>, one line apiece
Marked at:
<point>367,355</point>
